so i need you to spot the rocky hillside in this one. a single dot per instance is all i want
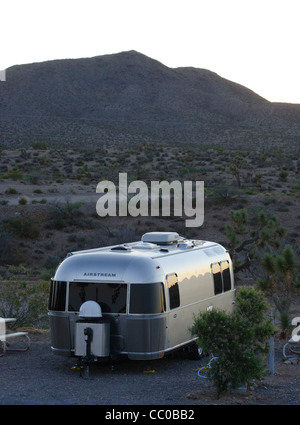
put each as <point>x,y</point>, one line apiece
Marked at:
<point>128,98</point>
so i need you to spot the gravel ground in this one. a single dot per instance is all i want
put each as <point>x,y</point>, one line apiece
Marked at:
<point>38,377</point>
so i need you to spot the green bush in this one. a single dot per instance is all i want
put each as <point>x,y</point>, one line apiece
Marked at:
<point>23,200</point>
<point>52,262</point>
<point>237,340</point>
<point>7,245</point>
<point>14,174</point>
<point>24,226</point>
<point>283,175</point>
<point>63,215</point>
<point>11,191</point>
<point>39,145</point>
<point>26,302</point>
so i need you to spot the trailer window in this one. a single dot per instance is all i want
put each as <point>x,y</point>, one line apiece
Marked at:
<point>147,298</point>
<point>216,271</point>
<point>221,277</point>
<point>110,296</point>
<point>226,276</point>
<point>172,280</point>
<point>57,298</point>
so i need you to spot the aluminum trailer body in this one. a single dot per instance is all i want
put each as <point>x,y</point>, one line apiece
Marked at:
<point>149,291</point>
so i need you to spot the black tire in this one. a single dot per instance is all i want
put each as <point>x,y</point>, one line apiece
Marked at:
<point>196,351</point>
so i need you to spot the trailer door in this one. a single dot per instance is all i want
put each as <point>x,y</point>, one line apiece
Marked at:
<point>174,332</point>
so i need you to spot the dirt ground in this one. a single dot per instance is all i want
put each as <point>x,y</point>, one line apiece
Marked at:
<point>38,377</point>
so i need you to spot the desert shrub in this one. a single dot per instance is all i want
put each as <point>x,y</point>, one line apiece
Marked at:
<point>34,177</point>
<point>39,145</point>
<point>11,191</point>
<point>84,173</point>
<point>6,246</point>
<point>14,174</point>
<point>52,262</point>
<point>62,215</point>
<point>23,200</point>
<point>295,187</point>
<point>23,226</point>
<point>223,192</point>
<point>283,175</point>
<point>238,340</point>
<point>25,301</point>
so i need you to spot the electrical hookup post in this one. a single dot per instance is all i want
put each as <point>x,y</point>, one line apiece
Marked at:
<point>156,200</point>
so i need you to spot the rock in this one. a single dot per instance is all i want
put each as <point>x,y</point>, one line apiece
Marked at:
<point>292,360</point>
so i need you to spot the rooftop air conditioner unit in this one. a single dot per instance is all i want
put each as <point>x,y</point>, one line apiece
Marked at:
<point>161,238</point>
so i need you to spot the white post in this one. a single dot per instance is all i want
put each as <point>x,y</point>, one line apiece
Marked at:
<point>2,329</point>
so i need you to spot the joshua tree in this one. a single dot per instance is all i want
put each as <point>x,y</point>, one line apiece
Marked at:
<point>235,168</point>
<point>248,241</point>
<point>259,249</point>
<point>281,281</point>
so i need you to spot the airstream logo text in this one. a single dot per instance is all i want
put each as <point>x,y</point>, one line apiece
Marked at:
<point>100,274</point>
<point>188,198</point>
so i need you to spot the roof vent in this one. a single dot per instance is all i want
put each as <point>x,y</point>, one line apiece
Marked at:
<point>186,245</point>
<point>121,248</point>
<point>161,238</point>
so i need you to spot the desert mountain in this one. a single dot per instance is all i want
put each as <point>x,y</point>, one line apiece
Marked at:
<point>129,97</point>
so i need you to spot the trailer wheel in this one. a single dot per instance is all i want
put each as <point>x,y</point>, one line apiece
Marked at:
<point>196,351</point>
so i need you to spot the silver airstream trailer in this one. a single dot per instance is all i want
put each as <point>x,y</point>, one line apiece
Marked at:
<point>138,298</point>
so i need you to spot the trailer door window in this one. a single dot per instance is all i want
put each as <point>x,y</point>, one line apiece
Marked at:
<point>147,298</point>
<point>172,280</point>
<point>57,298</point>
<point>110,296</point>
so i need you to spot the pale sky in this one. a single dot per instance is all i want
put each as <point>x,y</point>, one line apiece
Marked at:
<point>251,42</point>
